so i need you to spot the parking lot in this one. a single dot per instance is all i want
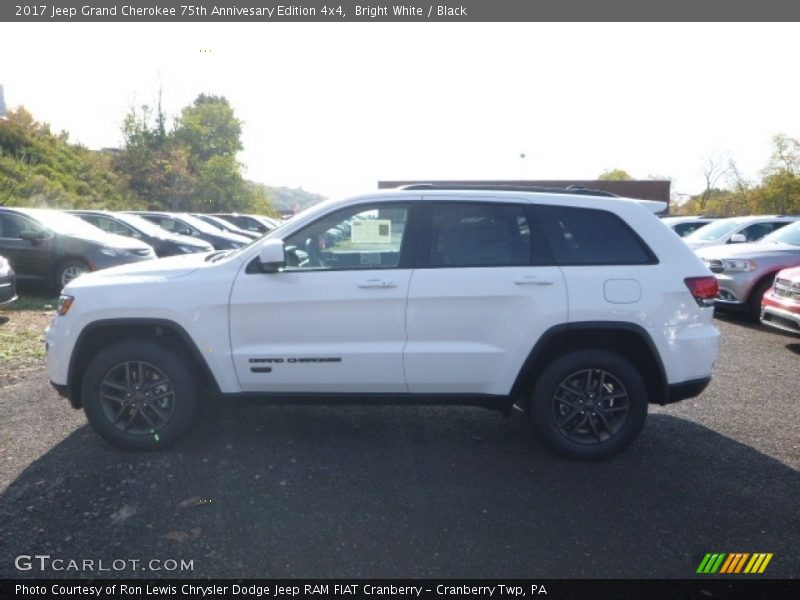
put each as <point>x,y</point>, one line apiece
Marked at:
<point>302,491</point>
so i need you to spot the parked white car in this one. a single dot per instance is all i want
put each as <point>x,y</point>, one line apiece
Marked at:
<point>683,226</point>
<point>581,309</point>
<point>736,230</point>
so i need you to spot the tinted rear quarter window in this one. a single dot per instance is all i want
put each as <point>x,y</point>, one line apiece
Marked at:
<point>582,236</point>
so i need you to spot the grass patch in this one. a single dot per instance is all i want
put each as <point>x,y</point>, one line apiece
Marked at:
<point>20,345</point>
<point>33,302</point>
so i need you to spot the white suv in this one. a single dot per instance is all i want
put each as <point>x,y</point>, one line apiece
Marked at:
<point>579,308</point>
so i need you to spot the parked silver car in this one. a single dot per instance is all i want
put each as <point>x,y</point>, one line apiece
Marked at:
<point>746,271</point>
<point>736,230</point>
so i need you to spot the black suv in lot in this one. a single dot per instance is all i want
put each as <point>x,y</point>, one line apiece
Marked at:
<point>134,226</point>
<point>54,247</point>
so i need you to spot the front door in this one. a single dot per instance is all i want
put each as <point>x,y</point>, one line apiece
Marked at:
<point>334,319</point>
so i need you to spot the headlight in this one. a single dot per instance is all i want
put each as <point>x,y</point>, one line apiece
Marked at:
<point>64,304</point>
<point>189,249</point>
<point>5,268</point>
<point>114,252</point>
<point>738,265</point>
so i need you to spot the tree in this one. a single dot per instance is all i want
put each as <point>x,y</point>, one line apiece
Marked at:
<point>781,178</point>
<point>615,175</point>
<point>209,128</point>
<point>191,167</point>
<point>714,167</point>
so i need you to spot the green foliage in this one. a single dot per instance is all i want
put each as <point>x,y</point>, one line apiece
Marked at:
<point>209,129</point>
<point>191,167</point>
<point>778,192</point>
<point>38,168</point>
<point>615,175</point>
<point>292,199</point>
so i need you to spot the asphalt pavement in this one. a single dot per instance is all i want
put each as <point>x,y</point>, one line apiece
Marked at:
<point>381,492</point>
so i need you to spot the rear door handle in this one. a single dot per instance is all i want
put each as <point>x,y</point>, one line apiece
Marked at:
<point>533,280</point>
<point>377,283</point>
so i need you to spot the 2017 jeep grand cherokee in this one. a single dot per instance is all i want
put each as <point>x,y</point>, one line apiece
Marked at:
<point>580,308</point>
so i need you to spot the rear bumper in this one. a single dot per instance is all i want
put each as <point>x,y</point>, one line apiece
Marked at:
<point>686,389</point>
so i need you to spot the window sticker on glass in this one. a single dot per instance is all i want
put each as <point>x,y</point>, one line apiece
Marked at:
<point>372,231</point>
<point>370,259</point>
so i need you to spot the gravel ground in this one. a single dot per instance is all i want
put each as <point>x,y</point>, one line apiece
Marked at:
<point>289,491</point>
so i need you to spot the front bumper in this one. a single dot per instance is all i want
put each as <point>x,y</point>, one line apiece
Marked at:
<point>785,316</point>
<point>686,389</point>
<point>8,290</point>
<point>734,288</point>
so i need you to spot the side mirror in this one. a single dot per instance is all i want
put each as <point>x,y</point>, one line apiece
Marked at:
<point>33,236</point>
<point>738,238</point>
<point>272,256</point>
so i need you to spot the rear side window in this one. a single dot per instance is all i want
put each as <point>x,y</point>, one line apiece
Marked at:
<point>478,235</point>
<point>582,236</point>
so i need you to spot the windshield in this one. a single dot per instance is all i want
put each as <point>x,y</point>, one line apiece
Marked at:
<point>198,224</point>
<point>785,235</point>
<point>141,224</point>
<point>66,224</point>
<point>714,231</point>
<point>221,224</point>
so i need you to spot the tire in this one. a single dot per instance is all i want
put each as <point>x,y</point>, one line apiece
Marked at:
<point>757,293</point>
<point>139,395</point>
<point>69,270</point>
<point>571,384</point>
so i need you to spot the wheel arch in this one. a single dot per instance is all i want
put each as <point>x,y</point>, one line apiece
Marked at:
<point>103,333</point>
<point>626,339</point>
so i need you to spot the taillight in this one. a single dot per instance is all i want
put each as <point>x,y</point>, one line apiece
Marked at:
<point>703,289</point>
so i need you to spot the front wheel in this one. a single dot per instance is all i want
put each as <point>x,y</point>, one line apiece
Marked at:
<point>69,270</point>
<point>754,302</point>
<point>588,404</point>
<point>139,395</point>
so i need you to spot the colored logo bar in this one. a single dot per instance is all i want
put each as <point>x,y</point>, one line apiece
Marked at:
<point>734,562</point>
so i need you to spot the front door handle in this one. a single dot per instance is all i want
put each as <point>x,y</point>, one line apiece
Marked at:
<point>377,283</point>
<point>533,280</point>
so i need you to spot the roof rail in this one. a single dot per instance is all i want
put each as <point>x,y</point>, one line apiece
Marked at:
<point>508,188</point>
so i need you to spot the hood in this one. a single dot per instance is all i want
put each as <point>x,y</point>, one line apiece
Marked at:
<point>146,271</point>
<point>793,274</point>
<point>232,237</point>
<point>748,250</point>
<point>183,240</point>
<point>111,240</point>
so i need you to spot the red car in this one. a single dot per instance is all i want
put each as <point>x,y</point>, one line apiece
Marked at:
<point>780,306</point>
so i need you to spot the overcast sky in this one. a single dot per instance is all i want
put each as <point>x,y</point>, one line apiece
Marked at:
<point>333,108</point>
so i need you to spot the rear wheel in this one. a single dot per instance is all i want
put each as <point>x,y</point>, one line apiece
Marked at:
<point>589,404</point>
<point>139,395</point>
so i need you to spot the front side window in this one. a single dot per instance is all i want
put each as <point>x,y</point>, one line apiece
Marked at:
<point>582,236</point>
<point>12,226</point>
<point>755,232</point>
<point>469,234</point>
<point>362,237</point>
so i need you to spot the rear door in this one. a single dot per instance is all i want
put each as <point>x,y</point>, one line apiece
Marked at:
<point>484,291</point>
